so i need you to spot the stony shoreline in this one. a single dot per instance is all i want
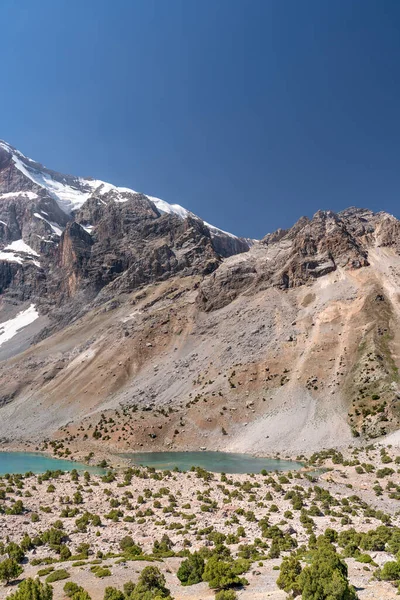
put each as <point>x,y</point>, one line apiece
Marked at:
<point>195,509</point>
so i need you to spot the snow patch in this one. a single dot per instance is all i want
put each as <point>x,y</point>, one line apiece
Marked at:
<point>12,253</point>
<point>11,257</point>
<point>10,328</point>
<point>20,246</point>
<point>29,195</point>
<point>56,229</point>
<point>217,230</point>
<point>66,196</point>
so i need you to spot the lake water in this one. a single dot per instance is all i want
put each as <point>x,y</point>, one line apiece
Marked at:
<point>217,462</point>
<point>22,462</point>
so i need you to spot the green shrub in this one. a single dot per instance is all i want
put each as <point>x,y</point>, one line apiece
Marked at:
<point>70,588</point>
<point>163,548</point>
<point>102,572</point>
<point>364,558</point>
<point>81,594</point>
<point>390,571</point>
<point>57,575</point>
<point>112,593</point>
<point>9,570</point>
<point>226,595</point>
<point>14,551</point>
<point>288,577</point>
<point>222,574</point>
<point>128,546</point>
<point>150,585</point>
<point>46,571</point>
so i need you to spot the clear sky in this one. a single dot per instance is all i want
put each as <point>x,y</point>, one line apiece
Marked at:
<point>250,113</point>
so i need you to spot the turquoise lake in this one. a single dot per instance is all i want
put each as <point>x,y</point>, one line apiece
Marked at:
<point>217,462</point>
<point>22,462</point>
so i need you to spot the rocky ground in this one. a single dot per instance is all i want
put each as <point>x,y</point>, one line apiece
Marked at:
<point>359,490</point>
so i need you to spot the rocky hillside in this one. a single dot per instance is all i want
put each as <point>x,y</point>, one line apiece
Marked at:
<point>129,323</point>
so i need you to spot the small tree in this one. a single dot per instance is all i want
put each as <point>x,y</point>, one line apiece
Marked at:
<point>65,552</point>
<point>129,587</point>
<point>78,498</point>
<point>14,551</point>
<point>191,570</point>
<point>326,577</point>
<point>288,576</point>
<point>9,570</point>
<point>32,589</point>
<point>164,547</point>
<point>150,585</point>
<point>112,593</point>
<point>221,574</point>
<point>81,595</point>
<point>128,546</point>
<point>71,588</point>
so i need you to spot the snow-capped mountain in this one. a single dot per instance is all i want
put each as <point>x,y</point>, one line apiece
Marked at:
<point>70,193</point>
<point>64,238</point>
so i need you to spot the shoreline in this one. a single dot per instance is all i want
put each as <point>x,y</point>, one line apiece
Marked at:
<point>297,465</point>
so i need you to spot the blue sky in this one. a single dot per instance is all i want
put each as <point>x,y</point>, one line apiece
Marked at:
<point>249,113</point>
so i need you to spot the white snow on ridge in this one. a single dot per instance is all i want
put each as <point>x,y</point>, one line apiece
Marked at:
<point>10,328</point>
<point>217,230</point>
<point>66,196</point>
<point>102,187</point>
<point>165,207</point>
<point>20,246</point>
<point>177,209</point>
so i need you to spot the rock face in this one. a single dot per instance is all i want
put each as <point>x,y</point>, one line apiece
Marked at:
<point>291,343</point>
<point>311,249</point>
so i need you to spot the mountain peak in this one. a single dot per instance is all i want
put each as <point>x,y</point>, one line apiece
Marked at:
<point>71,192</point>
<point>62,235</point>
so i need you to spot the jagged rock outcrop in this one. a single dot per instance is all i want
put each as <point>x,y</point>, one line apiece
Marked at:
<point>290,258</point>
